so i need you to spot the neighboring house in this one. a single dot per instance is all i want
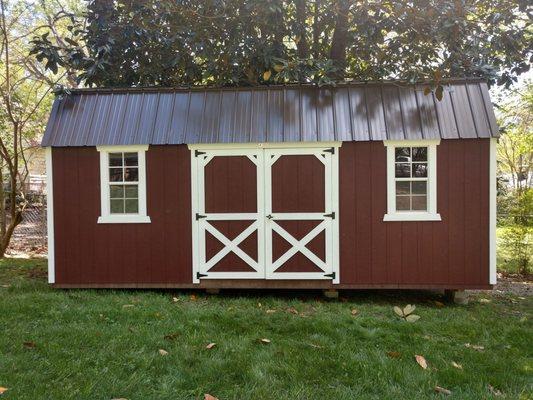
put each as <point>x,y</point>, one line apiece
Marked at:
<point>357,186</point>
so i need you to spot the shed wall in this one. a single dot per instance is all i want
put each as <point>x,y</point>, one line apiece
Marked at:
<point>452,253</point>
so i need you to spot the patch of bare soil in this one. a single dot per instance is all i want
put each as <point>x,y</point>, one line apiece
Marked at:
<point>518,285</point>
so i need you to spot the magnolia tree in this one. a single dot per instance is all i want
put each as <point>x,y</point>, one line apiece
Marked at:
<point>25,100</point>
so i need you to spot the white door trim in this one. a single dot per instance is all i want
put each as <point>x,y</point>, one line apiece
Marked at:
<point>202,154</point>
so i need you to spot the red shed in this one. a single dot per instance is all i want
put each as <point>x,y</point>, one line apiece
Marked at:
<point>357,186</point>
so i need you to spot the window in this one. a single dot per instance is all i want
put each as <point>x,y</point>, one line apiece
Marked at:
<point>411,180</point>
<point>123,184</point>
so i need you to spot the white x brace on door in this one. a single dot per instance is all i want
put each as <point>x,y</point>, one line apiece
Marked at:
<point>260,225</point>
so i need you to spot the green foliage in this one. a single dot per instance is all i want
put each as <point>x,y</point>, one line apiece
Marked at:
<point>172,43</point>
<point>517,238</point>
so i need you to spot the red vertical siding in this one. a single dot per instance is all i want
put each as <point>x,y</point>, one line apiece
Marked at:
<point>453,251</point>
<point>373,253</point>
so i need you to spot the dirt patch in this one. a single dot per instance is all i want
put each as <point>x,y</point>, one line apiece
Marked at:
<point>514,284</point>
<point>38,273</point>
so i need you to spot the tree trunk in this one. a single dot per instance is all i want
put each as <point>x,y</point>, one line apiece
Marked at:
<point>301,15</point>
<point>339,42</point>
<point>316,30</point>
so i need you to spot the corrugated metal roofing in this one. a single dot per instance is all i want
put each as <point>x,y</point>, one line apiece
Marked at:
<point>350,112</point>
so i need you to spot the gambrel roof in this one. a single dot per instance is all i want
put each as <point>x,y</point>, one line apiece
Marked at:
<point>291,113</point>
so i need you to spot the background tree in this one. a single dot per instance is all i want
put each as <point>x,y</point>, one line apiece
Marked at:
<point>25,99</point>
<point>248,42</point>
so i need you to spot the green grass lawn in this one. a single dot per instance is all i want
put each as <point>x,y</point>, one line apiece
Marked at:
<point>103,344</point>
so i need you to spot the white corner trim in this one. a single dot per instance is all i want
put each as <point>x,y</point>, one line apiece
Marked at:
<point>492,212</point>
<point>277,145</point>
<point>431,214</point>
<point>105,214</point>
<point>412,216</point>
<point>50,215</point>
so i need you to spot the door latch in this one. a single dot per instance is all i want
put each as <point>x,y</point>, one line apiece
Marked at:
<point>332,215</point>
<point>199,275</point>
<point>269,216</point>
<point>200,216</point>
<point>332,275</point>
<point>198,153</point>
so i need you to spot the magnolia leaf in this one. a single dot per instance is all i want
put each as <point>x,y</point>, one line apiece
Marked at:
<point>163,352</point>
<point>398,311</point>
<point>127,305</point>
<point>171,336</point>
<point>408,309</point>
<point>354,312</point>
<point>193,297</point>
<point>270,311</point>
<point>475,347</point>
<point>494,391</point>
<point>484,301</point>
<point>278,67</point>
<point>266,75</point>
<point>175,299</point>
<point>394,354</point>
<point>29,345</point>
<point>292,310</point>
<point>439,92</point>
<point>207,396</point>
<point>265,341</point>
<point>438,75</point>
<point>427,90</point>
<point>2,389</point>
<point>455,365</point>
<point>439,389</point>
<point>421,361</point>
<point>412,318</point>
<point>439,303</point>
<point>210,345</point>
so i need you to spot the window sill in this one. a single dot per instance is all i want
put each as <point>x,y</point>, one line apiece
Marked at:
<point>412,216</point>
<point>124,219</point>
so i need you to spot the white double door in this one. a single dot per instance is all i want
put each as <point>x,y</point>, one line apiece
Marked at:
<point>265,213</point>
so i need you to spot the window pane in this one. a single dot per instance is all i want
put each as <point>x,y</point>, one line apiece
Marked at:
<point>420,203</point>
<point>132,191</point>
<point>420,170</point>
<point>131,175</point>
<point>403,154</point>
<point>420,153</point>
<point>402,203</point>
<point>116,191</point>
<point>131,159</point>
<point>403,188</point>
<point>419,187</point>
<point>132,206</point>
<point>115,159</point>
<point>402,170</point>
<point>115,174</point>
<point>117,206</point>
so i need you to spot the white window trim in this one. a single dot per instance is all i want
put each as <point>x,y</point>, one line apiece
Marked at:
<point>392,213</point>
<point>106,216</point>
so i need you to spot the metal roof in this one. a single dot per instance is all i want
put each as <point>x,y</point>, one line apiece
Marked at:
<point>292,113</point>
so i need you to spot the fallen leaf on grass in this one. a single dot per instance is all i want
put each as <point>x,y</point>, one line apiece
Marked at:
<point>439,303</point>
<point>264,341</point>
<point>494,391</point>
<point>259,305</point>
<point>355,312</point>
<point>210,345</point>
<point>171,336</point>
<point>421,361</point>
<point>175,299</point>
<point>398,311</point>
<point>270,311</point>
<point>455,365</point>
<point>207,396</point>
<point>292,310</point>
<point>193,297</point>
<point>484,301</point>
<point>475,347</point>
<point>316,346</point>
<point>6,286</point>
<point>412,318</point>
<point>127,305</point>
<point>163,352</point>
<point>439,389</point>
<point>29,344</point>
<point>2,389</point>
<point>394,354</point>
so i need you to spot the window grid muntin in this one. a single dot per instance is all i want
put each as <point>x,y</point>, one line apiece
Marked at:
<point>410,162</point>
<point>124,183</point>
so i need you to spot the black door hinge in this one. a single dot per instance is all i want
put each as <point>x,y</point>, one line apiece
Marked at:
<point>332,215</point>
<point>199,275</point>
<point>200,216</point>
<point>332,275</point>
<point>331,150</point>
<point>198,153</point>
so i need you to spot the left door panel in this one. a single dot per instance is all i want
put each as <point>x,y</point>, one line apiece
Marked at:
<point>229,229</point>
